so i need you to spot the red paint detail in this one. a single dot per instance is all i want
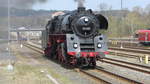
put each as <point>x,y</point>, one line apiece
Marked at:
<point>143,31</point>
<point>106,52</point>
<point>83,54</point>
<point>72,53</point>
<point>96,53</point>
<point>88,54</point>
<point>59,41</point>
<point>92,54</point>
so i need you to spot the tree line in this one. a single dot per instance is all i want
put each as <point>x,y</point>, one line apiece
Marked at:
<point>126,22</point>
<point>122,23</point>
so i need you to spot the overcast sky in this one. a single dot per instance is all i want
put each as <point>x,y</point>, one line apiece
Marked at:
<point>93,4</point>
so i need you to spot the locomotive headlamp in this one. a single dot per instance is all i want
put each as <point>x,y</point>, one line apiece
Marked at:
<point>75,45</point>
<point>86,19</point>
<point>99,45</point>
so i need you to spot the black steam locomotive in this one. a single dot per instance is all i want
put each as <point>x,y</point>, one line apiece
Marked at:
<point>73,38</point>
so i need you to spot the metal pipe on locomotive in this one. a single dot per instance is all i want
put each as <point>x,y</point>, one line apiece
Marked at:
<point>73,38</point>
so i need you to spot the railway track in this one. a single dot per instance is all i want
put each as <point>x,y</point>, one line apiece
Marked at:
<point>142,51</point>
<point>140,48</point>
<point>92,76</point>
<point>35,48</point>
<point>107,74</point>
<point>114,78</point>
<point>130,53</point>
<point>106,77</point>
<point>127,43</point>
<point>129,65</point>
<point>117,53</point>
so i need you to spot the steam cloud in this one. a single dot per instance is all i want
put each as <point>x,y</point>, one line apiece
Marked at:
<point>80,3</point>
<point>24,4</point>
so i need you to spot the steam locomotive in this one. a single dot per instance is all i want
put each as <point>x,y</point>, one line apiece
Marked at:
<point>73,38</point>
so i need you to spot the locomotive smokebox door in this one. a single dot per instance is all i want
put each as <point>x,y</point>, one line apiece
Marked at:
<point>100,44</point>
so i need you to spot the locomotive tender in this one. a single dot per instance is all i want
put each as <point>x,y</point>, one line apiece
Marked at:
<point>73,38</point>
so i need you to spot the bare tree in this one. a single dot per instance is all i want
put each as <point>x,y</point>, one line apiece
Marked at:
<point>147,9</point>
<point>138,9</point>
<point>103,6</point>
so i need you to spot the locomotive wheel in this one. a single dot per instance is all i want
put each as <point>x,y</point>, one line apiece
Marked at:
<point>47,52</point>
<point>53,52</point>
<point>61,53</point>
<point>92,63</point>
<point>83,63</point>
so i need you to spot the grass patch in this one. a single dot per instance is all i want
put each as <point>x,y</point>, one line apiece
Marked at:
<point>25,71</point>
<point>61,78</point>
<point>29,74</point>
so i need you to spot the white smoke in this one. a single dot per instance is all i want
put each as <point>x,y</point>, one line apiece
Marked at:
<point>80,3</point>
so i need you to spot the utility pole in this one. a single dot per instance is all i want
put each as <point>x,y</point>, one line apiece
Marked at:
<point>8,11</point>
<point>121,4</point>
<point>8,21</point>
<point>121,15</point>
<point>10,66</point>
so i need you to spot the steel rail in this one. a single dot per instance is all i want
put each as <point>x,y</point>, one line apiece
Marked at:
<point>134,64</point>
<point>117,75</point>
<point>131,50</point>
<point>97,79</point>
<point>125,66</point>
